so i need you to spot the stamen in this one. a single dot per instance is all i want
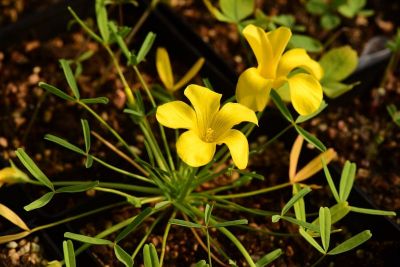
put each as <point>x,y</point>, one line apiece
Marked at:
<point>210,135</point>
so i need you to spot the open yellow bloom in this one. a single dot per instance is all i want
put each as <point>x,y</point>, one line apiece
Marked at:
<point>273,72</point>
<point>207,125</point>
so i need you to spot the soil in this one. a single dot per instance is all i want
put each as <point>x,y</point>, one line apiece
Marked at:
<point>22,66</point>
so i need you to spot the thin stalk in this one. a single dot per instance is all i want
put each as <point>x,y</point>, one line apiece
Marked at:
<point>124,172</point>
<point>231,237</point>
<point>319,261</point>
<point>208,247</point>
<point>127,187</point>
<point>113,191</point>
<point>113,132</point>
<point>76,217</point>
<point>34,116</point>
<point>127,88</point>
<point>255,192</point>
<point>165,237</point>
<point>273,139</point>
<point>120,153</point>
<point>204,246</point>
<point>153,103</point>
<point>140,245</point>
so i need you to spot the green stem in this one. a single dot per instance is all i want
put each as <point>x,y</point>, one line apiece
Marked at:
<point>112,131</point>
<point>127,88</point>
<point>165,236</point>
<point>76,217</point>
<point>253,193</point>
<point>153,103</point>
<point>273,139</point>
<point>148,232</point>
<point>116,169</point>
<point>319,261</point>
<point>128,187</point>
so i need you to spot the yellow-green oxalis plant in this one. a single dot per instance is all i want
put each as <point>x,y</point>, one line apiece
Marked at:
<point>275,70</point>
<point>207,125</point>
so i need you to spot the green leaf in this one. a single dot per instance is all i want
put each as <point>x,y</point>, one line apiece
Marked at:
<point>281,106</point>
<point>373,211</point>
<point>146,46</point>
<point>119,39</point>
<point>31,166</point>
<point>134,201</point>
<point>310,138</point>
<point>69,254</point>
<point>284,20</point>
<point>40,202</point>
<point>394,113</point>
<point>237,10</point>
<point>330,21</point>
<point>87,239</point>
<point>351,243</point>
<point>202,263</point>
<point>102,20</point>
<point>70,77</point>
<point>89,161</point>
<point>63,143</point>
<point>269,258</point>
<point>294,199</point>
<point>150,256</point>
<point>317,7</point>
<point>337,211</point>
<point>86,134</point>
<point>338,63</point>
<point>351,8</point>
<point>96,100</point>
<point>303,118</point>
<point>299,206</point>
<point>303,41</point>
<point>325,226</point>
<point>311,240</point>
<point>333,89</point>
<point>78,188</point>
<point>185,223</point>
<point>231,223</point>
<point>123,256</point>
<point>135,223</point>
<point>55,91</point>
<point>303,224</point>
<point>330,181</point>
<point>347,180</point>
<point>207,214</point>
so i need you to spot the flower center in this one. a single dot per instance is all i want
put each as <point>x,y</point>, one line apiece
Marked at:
<point>210,135</point>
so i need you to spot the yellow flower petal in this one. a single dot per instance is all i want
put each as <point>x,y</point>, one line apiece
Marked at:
<point>194,151</point>
<point>305,93</point>
<point>176,114</point>
<point>12,217</point>
<point>163,66</point>
<point>298,58</point>
<point>314,166</point>
<point>238,147</point>
<point>294,156</point>
<point>230,115</point>
<point>190,74</point>
<point>206,104</point>
<point>278,40</point>
<point>252,90</point>
<point>261,48</point>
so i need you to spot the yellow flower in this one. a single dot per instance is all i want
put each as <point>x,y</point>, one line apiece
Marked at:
<point>207,126</point>
<point>273,72</point>
<point>164,70</point>
<point>12,175</point>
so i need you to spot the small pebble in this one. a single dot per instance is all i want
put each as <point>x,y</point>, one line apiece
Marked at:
<point>12,244</point>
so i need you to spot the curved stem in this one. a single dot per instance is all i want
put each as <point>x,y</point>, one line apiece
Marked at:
<point>165,236</point>
<point>255,192</point>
